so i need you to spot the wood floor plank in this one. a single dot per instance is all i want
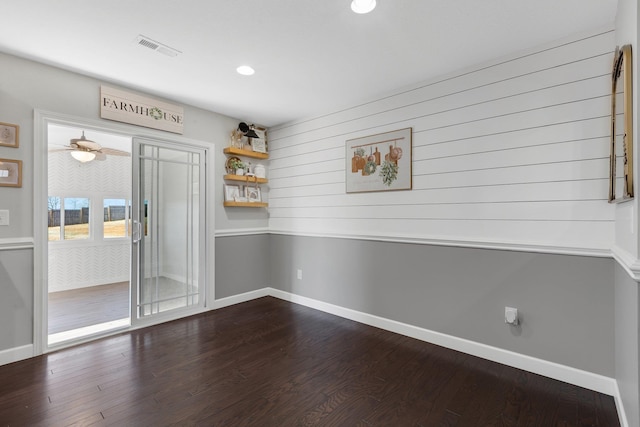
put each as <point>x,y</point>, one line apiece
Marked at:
<point>268,362</point>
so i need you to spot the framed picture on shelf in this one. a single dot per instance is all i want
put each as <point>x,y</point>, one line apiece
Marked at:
<point>9,135</point>
<point>259,144</point>
<point>10,173</point>
<point>252,194</point>
<point>231,193</point>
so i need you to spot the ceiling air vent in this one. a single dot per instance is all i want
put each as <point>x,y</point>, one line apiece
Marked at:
<point>158,47</point>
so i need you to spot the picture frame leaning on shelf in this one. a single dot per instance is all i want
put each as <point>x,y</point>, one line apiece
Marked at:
<point>259,145</point>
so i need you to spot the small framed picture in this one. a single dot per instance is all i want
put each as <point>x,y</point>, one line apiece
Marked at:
<point>259,144</point>
<point>9,135</point>
<point>252,194</point>
<point>231,193</point>
<point>10,173</point>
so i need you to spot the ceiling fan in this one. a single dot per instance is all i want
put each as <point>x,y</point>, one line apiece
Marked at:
<point>84,150</point>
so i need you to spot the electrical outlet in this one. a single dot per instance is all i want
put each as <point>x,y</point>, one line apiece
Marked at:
<point>299,274</point>
<point>4,217</point>
<point>511,316</point>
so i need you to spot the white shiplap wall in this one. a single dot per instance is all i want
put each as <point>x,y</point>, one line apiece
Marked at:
<point>513,152</point>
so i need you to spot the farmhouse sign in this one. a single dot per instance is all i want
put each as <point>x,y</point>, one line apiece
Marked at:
<point>139,110</point>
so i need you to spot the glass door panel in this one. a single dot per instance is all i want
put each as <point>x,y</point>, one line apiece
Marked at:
<point>168,218</point>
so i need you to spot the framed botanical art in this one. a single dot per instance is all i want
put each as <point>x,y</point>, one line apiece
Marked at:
<point>379,162</point>
<point>10,173</point>
<point>9,135</point>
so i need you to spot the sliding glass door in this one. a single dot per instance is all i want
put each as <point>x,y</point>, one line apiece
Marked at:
<point>168,252</point>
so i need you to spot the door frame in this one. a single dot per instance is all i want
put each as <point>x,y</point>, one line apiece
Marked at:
<point>42,119</point>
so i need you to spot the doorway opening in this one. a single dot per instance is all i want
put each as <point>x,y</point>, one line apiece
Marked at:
<point>88,232</point>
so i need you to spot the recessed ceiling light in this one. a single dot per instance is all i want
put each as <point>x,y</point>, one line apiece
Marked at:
<point>363,6</point>
<point>245,70</point>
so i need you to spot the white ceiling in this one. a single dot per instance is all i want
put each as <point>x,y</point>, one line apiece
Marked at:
<point>310,57</point>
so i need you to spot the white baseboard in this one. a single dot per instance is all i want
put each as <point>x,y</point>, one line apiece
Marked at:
<point>237,299</point>
<point>622,415</point>
<point>16,354</point>
<point>88,284</point>
<point>178,278</point>
<point>553,370</point>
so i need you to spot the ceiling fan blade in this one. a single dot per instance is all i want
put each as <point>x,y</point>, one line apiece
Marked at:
<point>114,152</point>
<point>84,143</point>
<point>89,145</point>
<point>100,156</point>
<point>53,150</point>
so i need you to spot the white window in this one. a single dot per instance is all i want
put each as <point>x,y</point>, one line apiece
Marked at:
<point>69,218</point>
<point>117,218</point>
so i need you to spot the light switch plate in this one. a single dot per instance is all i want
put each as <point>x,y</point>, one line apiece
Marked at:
<point>4,217</point>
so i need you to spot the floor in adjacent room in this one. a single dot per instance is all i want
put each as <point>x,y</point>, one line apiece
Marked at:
<point>79,308</point>
<point>95,309</point>
<point>268,362</point>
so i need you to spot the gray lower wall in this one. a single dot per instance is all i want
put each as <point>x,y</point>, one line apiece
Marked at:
<point>566,302</point>
<point>16,298</point>
<point>242,264</point>
<point>571,314</point>
<point>627,345</point>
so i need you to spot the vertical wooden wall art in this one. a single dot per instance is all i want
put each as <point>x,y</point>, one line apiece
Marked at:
<point>621,190</point>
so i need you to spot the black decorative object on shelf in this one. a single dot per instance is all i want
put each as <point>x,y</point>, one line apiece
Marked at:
<point>247,130</point>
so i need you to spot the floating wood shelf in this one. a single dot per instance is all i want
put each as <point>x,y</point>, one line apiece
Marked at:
<point>245,178</point>
<point>246,153</point>
<point>247,204</point>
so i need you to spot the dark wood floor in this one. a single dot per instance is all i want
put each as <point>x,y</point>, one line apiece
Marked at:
<point>268,362</point>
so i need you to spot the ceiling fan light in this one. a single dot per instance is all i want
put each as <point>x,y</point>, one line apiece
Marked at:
<point>83,156</point>
<point>363,6</point>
